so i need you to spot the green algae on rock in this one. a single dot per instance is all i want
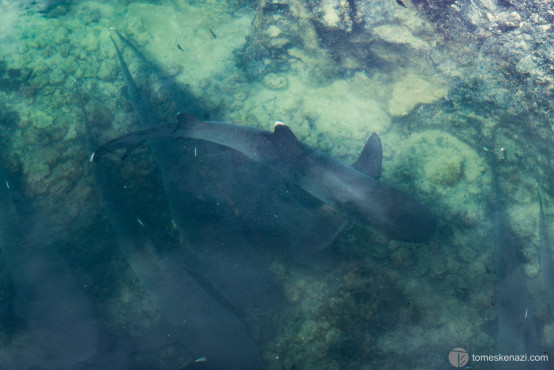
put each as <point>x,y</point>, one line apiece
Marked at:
<point>412,90</point>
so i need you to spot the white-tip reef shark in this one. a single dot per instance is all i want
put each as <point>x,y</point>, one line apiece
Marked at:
<point>352,191</point>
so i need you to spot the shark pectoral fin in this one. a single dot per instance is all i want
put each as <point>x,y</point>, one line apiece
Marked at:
<point>370,160</point>
<point>129,141</point>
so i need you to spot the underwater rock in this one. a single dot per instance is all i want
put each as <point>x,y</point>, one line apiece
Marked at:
<point>335,14</point>
<point>412,90</point>
<point>396,34</point>
<point>9,118</point>
<point>446,172</point>
<point>471,218</point>
<point>274,81</point>
<point>402,257</point>
<point>139,33</point>
<point>160,29</point>
<point>345,107</point>
<point>436,162</point>
<point>441,148</point>
<point>372,13</point>
<point>527,64</point>
<point>510,37</point>
<point>89,43</point>
<point>438,265</point>
<point>12,79</point>
<point>204,83</point>
<point>277,38</point>
<point>56,76</point>
<point>41,119</point>
<point>523,220</point>
<point>273,31</point>
<point>108,71</point>
<point>507,21</point>
<point>212,101</point>
<point>89,13</point>
<point>548,334</point>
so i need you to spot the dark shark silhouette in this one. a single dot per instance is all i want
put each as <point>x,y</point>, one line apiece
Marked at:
<point>192,314</point>
<point>545,255</point>
<point>352,191</point>
<point>517,333</point>
<point>61,330</point>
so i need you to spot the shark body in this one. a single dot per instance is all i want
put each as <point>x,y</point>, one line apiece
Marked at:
<point>352,191</point>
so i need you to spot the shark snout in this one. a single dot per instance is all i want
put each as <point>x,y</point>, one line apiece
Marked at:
<point>412,221</point>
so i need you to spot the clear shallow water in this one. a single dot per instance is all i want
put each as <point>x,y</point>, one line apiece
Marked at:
<point>436,100</point>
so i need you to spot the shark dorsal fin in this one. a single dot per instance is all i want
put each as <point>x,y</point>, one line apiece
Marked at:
<point>284,134</point>
<point>285,139</point>
<point>370,160</point>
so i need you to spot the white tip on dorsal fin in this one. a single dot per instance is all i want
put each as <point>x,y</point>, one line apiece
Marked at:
<point>284,138</point>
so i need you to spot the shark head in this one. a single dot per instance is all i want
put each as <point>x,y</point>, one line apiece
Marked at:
<point>395,213</point>
<point>413,223</point>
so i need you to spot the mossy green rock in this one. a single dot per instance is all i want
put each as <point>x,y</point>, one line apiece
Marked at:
<point>444,172</point>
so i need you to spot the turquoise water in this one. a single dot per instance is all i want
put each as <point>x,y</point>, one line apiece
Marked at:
<point>441,101</point>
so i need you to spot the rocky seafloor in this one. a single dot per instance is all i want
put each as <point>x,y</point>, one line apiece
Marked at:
<point>442,83</point>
